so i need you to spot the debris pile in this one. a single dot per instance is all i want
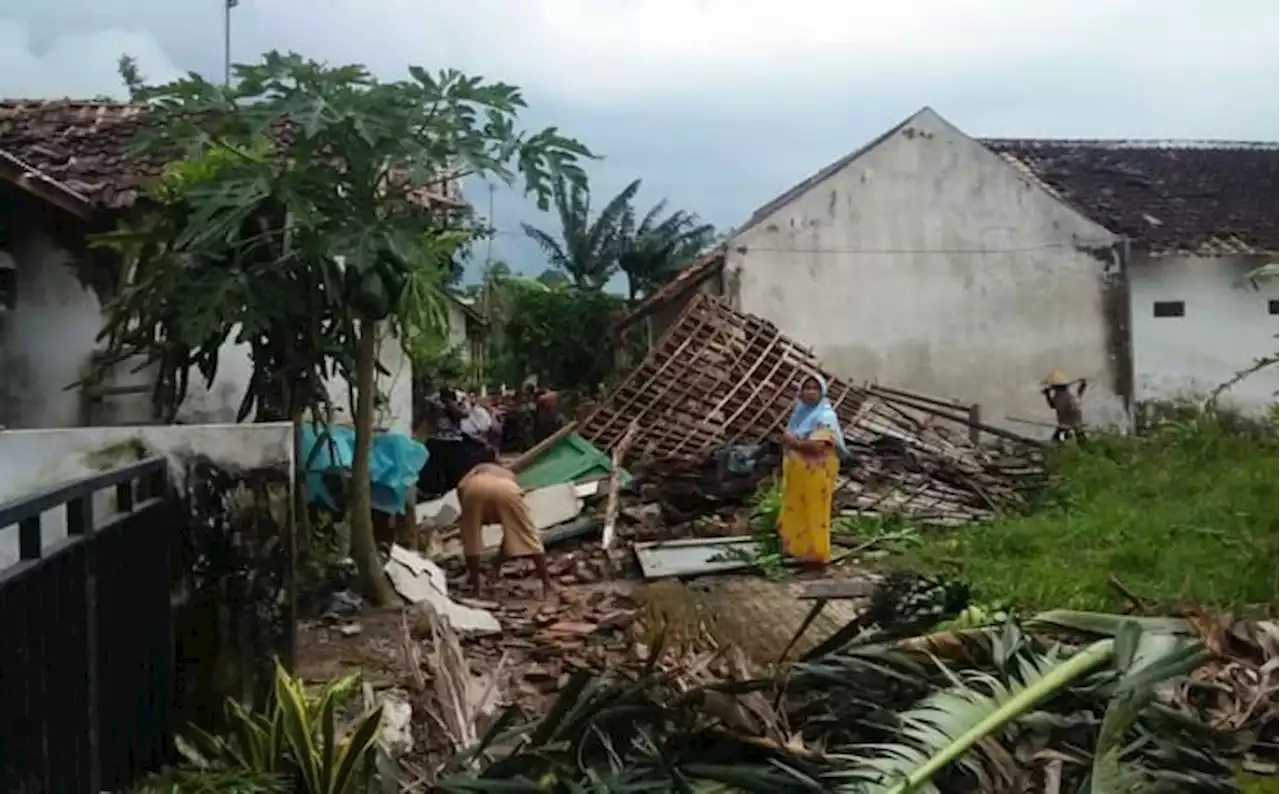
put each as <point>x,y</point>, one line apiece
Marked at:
<point>700,419</point>
<point>721,378</point>
<point>1056,704</point>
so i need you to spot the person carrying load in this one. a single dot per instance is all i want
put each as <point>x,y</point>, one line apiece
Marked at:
<point>1057,391</point>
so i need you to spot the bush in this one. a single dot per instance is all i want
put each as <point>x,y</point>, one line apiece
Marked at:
<point>563,335</point>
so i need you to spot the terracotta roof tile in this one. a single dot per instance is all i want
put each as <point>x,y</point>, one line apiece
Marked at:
<point>85,145</point>
<point>1208,198</point>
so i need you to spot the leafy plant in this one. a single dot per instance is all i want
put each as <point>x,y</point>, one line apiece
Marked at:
<point>297,737</point>
<point>880,717</point>
<point>654,249</point>
<point>562,335</point>
<point>213,781</point>
<point>306,216</point>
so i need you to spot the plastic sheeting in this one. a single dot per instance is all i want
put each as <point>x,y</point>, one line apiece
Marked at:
<point>393,467</point>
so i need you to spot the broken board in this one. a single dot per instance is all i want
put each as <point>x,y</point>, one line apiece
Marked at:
<point>831,589</point>
<point>695,556</point>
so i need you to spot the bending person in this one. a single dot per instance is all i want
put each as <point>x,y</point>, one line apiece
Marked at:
<point>489,494</point>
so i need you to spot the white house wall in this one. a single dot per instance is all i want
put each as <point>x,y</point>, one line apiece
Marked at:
<point>46,342</point>
<point>1225,326</point>
<point>220,402</point>
<point>457,317</point>
<point>929,264</point>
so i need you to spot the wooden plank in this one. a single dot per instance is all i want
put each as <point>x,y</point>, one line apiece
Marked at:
<point>542,446</point>
<point>832,589</point>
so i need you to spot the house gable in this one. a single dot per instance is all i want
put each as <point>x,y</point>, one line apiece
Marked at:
<point>925,151</point>
<point>928,262</point>
<point>926,125</point>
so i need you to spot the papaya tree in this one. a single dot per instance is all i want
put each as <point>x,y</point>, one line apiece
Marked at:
<point>305,213</point>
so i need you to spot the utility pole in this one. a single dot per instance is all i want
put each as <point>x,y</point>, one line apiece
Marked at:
<point>493,229</point>
<point>226,39</point>
<point>486,286</point>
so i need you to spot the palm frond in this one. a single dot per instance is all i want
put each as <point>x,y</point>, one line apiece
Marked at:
<point>884,717</point>
<point>551,247</point>
<point>950,722</point>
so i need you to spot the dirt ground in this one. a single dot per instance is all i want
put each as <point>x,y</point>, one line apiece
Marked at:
<point>593,625</point>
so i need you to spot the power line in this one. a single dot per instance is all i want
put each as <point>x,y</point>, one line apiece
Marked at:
<point>880,251</point>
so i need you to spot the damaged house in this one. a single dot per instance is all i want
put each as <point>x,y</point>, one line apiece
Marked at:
<point>66,172</point>
<point>937,262</point>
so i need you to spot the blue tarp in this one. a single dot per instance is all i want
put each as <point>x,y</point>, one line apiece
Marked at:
<point>394,466</point>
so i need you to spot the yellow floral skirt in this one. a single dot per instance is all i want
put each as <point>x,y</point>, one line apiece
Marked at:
<point>808,483</point>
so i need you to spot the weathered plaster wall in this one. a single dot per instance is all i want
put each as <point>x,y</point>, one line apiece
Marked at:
<point>457,317</point>
<point>46,339</point>
<point>32,461</point>
<point>46,342</point>
<point>1226,324</point>
<point>220,402</point>
<point>929,264</point>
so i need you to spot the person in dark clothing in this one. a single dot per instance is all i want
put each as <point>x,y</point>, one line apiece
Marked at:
<point>547,418</point>
<point>451,453</point>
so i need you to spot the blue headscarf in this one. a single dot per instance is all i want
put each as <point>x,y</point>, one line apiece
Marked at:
<point>806,418</point>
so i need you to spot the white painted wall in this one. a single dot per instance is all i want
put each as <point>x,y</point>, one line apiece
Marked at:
<point>220,402</point>
<point>1225,326</point>
<point>32,461</point>
<point>929,264</point>
<point>47,339</point>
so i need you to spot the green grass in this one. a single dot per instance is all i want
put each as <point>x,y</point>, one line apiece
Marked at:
<point>1184,515</point>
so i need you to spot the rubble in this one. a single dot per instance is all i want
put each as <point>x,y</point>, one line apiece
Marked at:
<point>701,415</point>
<point>719,378</point>
<point>420,581</point>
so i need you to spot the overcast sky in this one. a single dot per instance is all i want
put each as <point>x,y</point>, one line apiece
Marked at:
<point>719,105</point>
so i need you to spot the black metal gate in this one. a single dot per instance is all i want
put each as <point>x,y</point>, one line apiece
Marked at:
<point>86,638</point>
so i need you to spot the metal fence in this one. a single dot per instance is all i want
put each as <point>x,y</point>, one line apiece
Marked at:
<point>86,639</point>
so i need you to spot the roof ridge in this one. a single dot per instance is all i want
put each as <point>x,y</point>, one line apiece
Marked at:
<point>1137,143</point>
<point>65,100</point>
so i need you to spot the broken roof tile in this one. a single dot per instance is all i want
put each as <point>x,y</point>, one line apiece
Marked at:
<point>1209,198</point>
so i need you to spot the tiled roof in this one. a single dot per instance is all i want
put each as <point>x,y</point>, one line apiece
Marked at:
<point>1207,198</point>
<point>84,145</point>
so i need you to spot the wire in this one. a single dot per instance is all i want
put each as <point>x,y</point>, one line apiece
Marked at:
<point>879,251</point>
<point>894,251</point>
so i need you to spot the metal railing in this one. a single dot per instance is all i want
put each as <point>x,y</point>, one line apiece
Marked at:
<point>86,637</point>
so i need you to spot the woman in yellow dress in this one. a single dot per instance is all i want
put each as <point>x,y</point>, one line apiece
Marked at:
<point>813,446</point>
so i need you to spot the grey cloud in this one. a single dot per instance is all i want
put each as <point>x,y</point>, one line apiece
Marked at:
<point>722,142</point>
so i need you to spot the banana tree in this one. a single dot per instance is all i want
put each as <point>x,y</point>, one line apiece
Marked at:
<point>314,219</point>
<point>586,248</point>
<point>654,249</point>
